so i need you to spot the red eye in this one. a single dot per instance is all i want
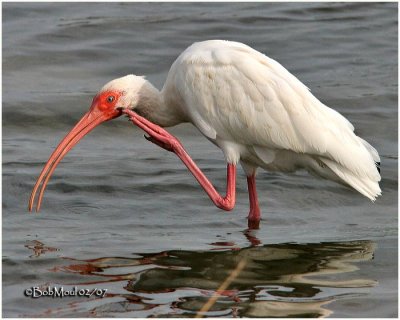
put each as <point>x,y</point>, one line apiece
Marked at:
<point>110,99</point>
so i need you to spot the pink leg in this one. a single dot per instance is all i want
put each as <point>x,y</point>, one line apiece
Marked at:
<point>254,214</point>
<point>167,141</point>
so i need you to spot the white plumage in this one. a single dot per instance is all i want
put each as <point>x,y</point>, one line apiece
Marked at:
<point>258,113</point>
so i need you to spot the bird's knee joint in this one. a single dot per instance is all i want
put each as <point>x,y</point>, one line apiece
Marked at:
<point>226,204</point>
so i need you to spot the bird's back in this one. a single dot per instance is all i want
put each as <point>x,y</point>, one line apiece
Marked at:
<point>256,111</point>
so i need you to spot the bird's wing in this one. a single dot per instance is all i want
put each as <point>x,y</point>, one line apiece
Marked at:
<point>236,93</point>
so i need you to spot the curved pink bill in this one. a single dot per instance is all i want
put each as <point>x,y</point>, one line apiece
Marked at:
<point>88,122</point>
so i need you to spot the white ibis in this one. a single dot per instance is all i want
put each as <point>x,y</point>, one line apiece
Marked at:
<point>245,103</point>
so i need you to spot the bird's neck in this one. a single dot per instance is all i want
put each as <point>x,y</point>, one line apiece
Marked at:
<point>154,107</point>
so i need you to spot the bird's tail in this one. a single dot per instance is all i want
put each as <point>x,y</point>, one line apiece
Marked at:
<point>368,185</point>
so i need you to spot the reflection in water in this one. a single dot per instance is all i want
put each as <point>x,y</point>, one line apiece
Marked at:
<point>38,248</point>
<point>278,280</point>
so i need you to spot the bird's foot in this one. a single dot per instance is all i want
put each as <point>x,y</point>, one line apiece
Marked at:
<point>157,135</point>
<point>253,219</point>
<point>160,143</point>
<point>253,224</point>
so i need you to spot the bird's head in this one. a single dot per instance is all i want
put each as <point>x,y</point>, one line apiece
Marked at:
<point>118,94</point>
<point>107,104</point>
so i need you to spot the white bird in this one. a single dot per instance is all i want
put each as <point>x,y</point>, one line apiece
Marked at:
<point>248,105</point>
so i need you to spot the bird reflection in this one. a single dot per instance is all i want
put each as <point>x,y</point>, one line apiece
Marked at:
<point>278,280</point>
<point>38,248</point>
<point>251,237</point>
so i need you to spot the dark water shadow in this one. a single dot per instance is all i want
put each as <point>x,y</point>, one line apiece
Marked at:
<point>278,280</point>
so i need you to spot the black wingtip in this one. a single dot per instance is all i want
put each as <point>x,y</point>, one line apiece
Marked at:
<point>378,164</point>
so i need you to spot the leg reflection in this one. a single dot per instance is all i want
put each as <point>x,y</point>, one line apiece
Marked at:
<point>249,234</point>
